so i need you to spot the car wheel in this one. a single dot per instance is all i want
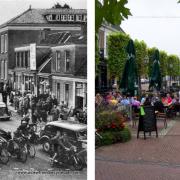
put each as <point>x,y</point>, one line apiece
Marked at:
<point>46,146</point>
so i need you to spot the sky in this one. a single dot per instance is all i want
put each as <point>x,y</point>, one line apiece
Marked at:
<point>157,22</point>
<point>12,8</point>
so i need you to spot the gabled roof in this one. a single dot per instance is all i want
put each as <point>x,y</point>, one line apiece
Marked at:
<point>37,16</point>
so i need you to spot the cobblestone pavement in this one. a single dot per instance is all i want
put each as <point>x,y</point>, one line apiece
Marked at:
<point>40,165</point>
<point>139,159</point>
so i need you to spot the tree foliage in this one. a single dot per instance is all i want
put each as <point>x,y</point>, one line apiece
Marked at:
<point>117,55</point>
<point>163,63</point>
<point>141,55</point>
<point>173,65</point>
<point>111,11</point>
<point>59,6</point>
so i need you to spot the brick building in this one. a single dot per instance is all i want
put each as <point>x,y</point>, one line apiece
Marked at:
<point>31,27</point>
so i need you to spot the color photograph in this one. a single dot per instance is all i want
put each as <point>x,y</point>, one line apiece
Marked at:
<point>137,89</point>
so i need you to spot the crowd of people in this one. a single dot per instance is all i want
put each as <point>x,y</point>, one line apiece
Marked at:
<point>37,108</point>
<point>160,101</point>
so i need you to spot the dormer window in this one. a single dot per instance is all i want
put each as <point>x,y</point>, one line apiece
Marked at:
<point>70,17</point>
<point>85,18</point>
<point>53,17</point>
<point>49,17</point>
<point>58,17</point>
<point>78,17</point>
<point>63,17</point>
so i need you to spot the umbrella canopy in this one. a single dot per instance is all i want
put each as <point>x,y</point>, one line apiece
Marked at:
<point>155,77</point>
<point>129,79</point>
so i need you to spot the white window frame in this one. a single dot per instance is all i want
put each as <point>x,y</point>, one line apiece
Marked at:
<point>70,17</point>
<point>64,17</point>
<point>78,17</point>
<point>2,43</point>
<point>58,17</point>
<point>5,70</point>
<point>5,43</point>
<point>2,69</point>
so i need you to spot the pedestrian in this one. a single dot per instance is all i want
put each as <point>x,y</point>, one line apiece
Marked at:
<point>55,113</point>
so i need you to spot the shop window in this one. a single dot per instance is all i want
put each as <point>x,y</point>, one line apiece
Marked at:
<point>67,61</point>
<point>58,92</point>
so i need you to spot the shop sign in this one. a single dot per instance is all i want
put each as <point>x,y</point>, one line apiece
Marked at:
<point>33,56</point>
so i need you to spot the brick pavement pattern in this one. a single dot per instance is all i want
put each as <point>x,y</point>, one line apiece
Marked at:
<point>139,159</point>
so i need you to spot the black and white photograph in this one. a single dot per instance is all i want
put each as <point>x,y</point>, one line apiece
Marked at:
<point>43,89</point>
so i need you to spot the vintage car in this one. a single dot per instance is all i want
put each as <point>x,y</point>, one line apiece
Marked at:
<point>76,132</point>
<point>4,113</point>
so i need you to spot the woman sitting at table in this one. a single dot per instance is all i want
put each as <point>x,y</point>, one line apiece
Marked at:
<point>167,101</point>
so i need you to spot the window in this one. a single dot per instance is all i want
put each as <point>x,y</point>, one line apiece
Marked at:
<point>67,61</point>
<point>63,17</point>
<point>5,70</point>
<point>67,93</point>
<point>70,17</point>
<point>78,17</point>
<point>58,60</point>
<point>85,18</point>
<point>26,59</point>
<point>5,43</point>
<point>2,43</point>
<point>22,59</point>
<point>53,17</point>
<point>58,92</point>
<point>49,18</point>
<point>18,64</point>
<point>2,69</point>
<point>58,17</point>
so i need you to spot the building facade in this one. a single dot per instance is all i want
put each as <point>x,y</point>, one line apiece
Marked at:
<point>102,82</point>
<point>69,74</point>
<point>32,27</point>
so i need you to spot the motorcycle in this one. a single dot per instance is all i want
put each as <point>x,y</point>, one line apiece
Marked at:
<point>17,147</point>
<point>31,151</point>
<point>70,157</point>
<point>4,155</point>
<point>82,153</point>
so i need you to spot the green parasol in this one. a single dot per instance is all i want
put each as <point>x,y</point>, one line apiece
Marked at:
<point>155,77</point>
<point>129,79</point>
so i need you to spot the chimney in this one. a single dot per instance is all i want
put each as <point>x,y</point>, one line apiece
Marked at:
<point>29,7</point>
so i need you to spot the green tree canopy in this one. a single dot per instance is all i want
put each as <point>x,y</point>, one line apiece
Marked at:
<point>117,55</point>
<point>141,56</point>
<point>163,63</point>
<point>173,65</point>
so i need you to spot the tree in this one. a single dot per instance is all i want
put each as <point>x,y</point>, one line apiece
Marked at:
<point>59,6</point>
<point>141,57</point>
<point>111,11</point>
<point>163,63</point>
<point>117,55</point>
